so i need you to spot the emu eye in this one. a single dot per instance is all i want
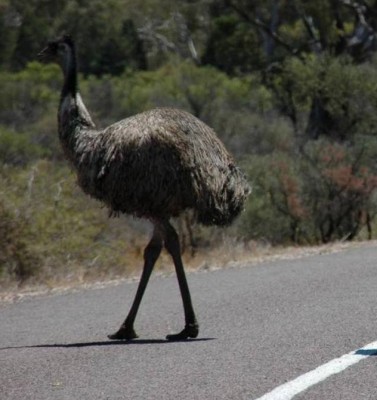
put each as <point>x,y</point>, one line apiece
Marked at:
<point>52,46</point>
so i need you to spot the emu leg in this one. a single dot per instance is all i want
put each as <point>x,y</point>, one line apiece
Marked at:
<point>191,329</point>
<point>151,253</point>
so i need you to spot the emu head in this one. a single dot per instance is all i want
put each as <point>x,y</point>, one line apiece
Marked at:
<point>58,50</point>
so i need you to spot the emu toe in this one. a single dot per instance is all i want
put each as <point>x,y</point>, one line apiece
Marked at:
<point>190,331</point>
<point>124,333</point>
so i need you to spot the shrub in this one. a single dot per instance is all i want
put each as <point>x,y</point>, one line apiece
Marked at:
<point>325,193</point>
<point>17,261</point>
<point>17,148</point>
<point>339,189</point>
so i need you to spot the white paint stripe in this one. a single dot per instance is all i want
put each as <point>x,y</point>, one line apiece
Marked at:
<point>288,390</point>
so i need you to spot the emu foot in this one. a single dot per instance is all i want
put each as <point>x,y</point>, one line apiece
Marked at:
<point>124,333</point>
<point>190,331</point>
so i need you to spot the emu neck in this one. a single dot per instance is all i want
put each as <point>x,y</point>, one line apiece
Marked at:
<point>73,118</point>
<point>69,67</point>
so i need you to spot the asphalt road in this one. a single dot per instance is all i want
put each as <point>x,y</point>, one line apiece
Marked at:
<point>261,326</point>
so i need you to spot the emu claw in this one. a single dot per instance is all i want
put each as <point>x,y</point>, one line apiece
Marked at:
<point>190,331</point>
<point>123,333</point>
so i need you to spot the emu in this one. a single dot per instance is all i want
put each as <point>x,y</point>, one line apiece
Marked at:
<point>152,165</point>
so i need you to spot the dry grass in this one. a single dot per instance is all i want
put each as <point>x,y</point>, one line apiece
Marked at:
<point>230,254</point>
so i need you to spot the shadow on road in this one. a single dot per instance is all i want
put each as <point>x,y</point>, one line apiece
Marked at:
<point>107,343</point>
<point>366,352</point>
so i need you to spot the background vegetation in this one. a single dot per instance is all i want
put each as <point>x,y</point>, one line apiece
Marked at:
<point>290,87</point>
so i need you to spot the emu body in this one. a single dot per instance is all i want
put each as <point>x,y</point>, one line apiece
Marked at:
<point>153,165</point>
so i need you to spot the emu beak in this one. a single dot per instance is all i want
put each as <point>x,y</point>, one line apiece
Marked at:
<point>42,55</point>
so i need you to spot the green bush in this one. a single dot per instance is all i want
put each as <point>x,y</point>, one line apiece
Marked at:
<point>17,148</point>
<point>325,193</point>
<point>29,94</point>
<point>17,260</point>
<point>274,211</point>
<point>327,94</point>
<point>70,232</point>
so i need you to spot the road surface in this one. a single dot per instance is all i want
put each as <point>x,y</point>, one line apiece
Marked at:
<point>280,329</point>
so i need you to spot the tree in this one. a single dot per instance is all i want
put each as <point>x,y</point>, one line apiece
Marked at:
<point>28,26</point>
<point>116,45</point>
<point>292,29</point>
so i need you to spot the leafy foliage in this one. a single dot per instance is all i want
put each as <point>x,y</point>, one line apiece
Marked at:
<point>327,96</point>
<point>17,261</point>
<point>50,228</point>
<point>325,194</point>
<point>30,25</point>
<point>290,87</point>
<point>17,149</point>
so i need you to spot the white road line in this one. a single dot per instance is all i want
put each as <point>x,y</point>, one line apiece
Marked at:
<point>288,390</point>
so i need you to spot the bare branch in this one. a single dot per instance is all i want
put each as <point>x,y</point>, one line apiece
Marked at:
<point>185,35</point>
<point>359,9</point>
<point>149,33</point>
<point>364,36</point>
<point>184,45</point>
<point>315,42</point>
<point>192,48</point>
<point>264,27</point>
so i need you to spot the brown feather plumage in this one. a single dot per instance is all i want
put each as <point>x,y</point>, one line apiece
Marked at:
<point>155,165</point>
